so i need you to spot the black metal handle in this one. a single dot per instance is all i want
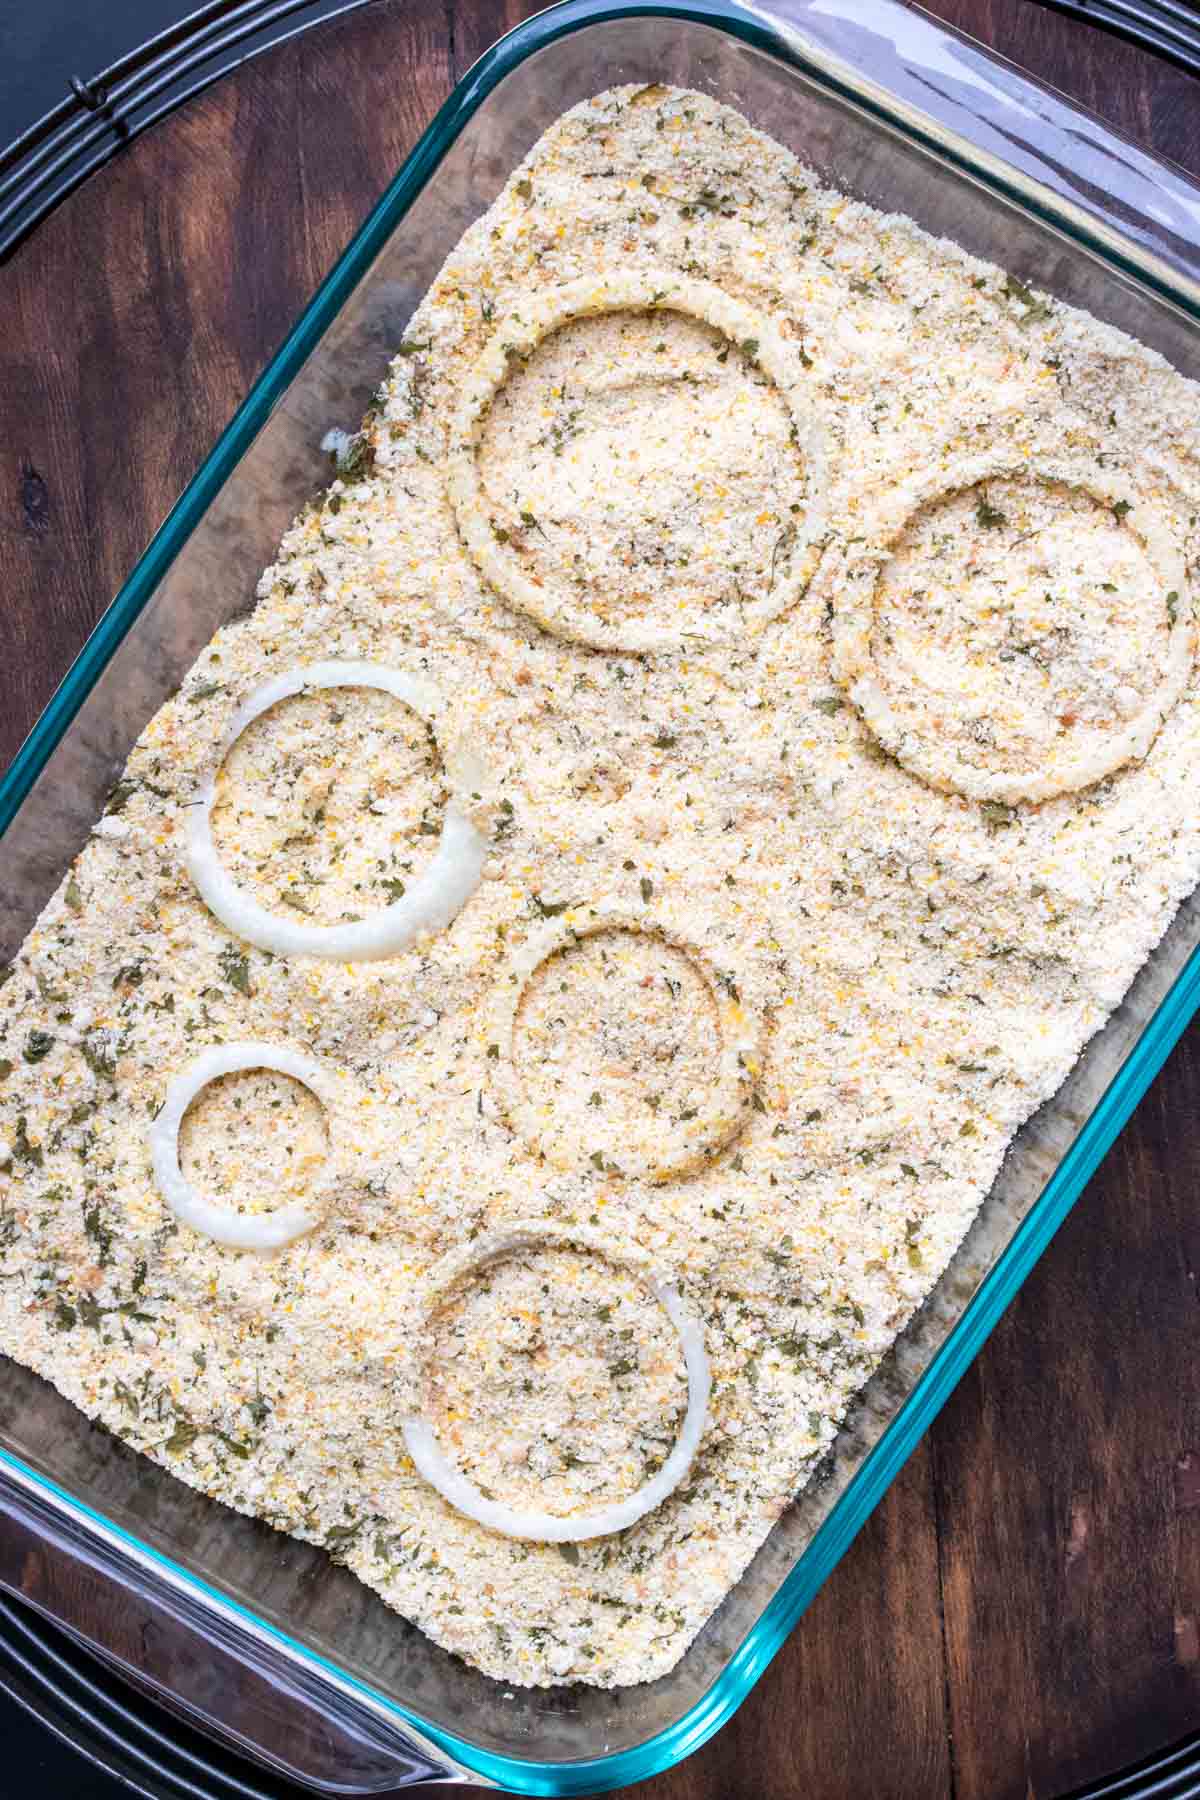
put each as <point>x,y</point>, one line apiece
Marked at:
<point>1172,1774</point>
<point>100,115</point>
<point>1168,27</point>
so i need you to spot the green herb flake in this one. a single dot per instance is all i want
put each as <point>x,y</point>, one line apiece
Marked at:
<point>90,1313</point>
<point>235,968</point>
<point>98,1054</point>
<point>794,1345</point>
<point>357,460</point>
<point>338,1536</point>
<point>996,814</point>
<point>37,1045</point>
<point>183,1437</point>
<point>23,1150</point>
<point>119,795</point>
<point>1019,291</point>
<point>912,1230</point>
<point>99,1233</point>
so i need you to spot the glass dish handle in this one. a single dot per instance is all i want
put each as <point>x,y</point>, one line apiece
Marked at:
<point>237,1684</point>
<point>1025,133</point>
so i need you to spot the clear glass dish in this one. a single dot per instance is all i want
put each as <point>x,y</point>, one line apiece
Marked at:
<point>260,1638</point>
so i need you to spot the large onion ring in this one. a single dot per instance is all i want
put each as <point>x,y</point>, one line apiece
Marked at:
<point>553,1528</point>
<point>238,1231</point>
<point>660,289</point>
<point>851,598</point>
<point>678,1148</point>
<point>429,905</point>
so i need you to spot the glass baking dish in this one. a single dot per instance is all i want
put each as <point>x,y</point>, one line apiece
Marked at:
<point>259,1638</point>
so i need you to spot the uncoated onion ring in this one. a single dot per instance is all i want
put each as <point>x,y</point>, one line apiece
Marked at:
<point>431,903</point>
<point>238,1231</point>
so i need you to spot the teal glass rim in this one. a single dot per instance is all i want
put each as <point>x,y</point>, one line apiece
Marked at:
<point>999,1286</point>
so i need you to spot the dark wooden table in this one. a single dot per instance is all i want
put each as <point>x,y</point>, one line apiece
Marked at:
<point>1022,1614</point>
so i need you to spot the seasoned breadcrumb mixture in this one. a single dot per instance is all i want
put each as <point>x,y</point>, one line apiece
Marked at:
<point>330,804</point>
<point>832,684</point>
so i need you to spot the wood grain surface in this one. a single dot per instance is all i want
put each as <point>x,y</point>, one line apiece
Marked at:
<point>1022,1613</point>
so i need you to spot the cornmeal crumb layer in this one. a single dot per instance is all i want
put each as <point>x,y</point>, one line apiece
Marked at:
<point>817,604</point>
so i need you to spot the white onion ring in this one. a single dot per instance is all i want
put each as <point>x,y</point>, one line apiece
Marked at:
<point>552,1528</point>
<point>641,289</point>
<point>434,899</point>
<point>238,1231</point>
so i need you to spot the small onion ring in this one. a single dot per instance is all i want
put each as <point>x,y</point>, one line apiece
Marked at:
<point>852,608</point>
<point>644,289</point>
<point>682,1148</point>
<point>238,1231</point>
<point>553,1528</point>
<point>434,899</point>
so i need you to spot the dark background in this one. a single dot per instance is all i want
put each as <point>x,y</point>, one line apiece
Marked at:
<point>36,1763</point>
<point>44,42</point>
